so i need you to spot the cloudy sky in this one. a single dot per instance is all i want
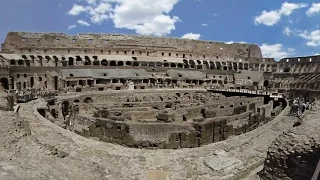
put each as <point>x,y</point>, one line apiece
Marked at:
<point>280,28</point>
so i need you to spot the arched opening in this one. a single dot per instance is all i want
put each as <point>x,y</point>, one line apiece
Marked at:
<point>54,113</point>
<point>27,62</point>
<point>266,83</point>
<point>120,63</point>
<point>151,64</point>
<point>199,62</point>
<point>112,63</point>
<point>87,100</point>
<point>87,62</point>
<point>24,85</point>
<point>143,63</point>
<point>19,85</point>
<point>136,63</point>
<point>212,65</point>
<point>206,64</point>
<point>203,112</point>
<point>159,64</point>
<point>246,66</point>
<point>173,65</point>
<point>20,62</point>
<point>286,69</point>
<point>65,108</point>
<point>166,64</point>
<point>128,63</point>
<point>240,66</point>
<point>80,82</point>
<point>235,66</point>
<point>4,83</point>
<point>76,101</point>
<point>12,62</point>
<point>180,65</point>
<point>31,81</point>
<point>64,63</point>
<point>96,62</point>
<point>71,61</point>
<point>218,65</point>
<point>104,62</point>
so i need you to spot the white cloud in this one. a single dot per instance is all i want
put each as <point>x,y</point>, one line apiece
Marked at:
<point>291,50</point>
<point>204,24</point>
<point>313,37</point>
<point>231,42</point>
<point>288,8</point>
<point>275,51</point>
<point>314,9</point>
<point>191,36</point>
<point>287,31</point>
<point>83,23</point>
<point>147,17</point>
<point>76,10</point>
<point>270,18</point>
<point>72,27</point>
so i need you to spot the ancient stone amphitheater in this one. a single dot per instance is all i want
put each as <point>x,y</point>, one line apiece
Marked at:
<point>109,106</point>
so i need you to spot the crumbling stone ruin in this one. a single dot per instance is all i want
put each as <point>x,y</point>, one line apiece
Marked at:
<point>204,102</point>
<point>171,120</point>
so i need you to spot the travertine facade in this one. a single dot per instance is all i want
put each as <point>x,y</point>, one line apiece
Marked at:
<point>108,61</point>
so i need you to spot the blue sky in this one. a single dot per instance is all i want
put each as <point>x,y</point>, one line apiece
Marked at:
<point>280,28</point>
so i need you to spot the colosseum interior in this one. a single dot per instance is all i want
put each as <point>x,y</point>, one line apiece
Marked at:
<point>114,106</point>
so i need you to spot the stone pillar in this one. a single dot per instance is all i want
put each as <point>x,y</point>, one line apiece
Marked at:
<point>10,102</point>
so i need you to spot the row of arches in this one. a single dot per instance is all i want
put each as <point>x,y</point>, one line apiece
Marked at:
<point>192,64</point>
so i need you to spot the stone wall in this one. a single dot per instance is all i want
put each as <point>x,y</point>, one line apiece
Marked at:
<point>208,126</point>
<point>25,42</point>
<point>294,154</point>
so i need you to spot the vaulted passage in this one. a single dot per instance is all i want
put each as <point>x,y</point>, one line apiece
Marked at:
<point>4,83</point>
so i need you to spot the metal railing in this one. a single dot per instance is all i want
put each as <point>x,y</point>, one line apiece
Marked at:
<point>25,96</point>
<point>257,92</point>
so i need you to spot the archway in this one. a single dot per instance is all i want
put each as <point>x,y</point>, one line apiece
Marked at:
<point>113,63</point>
<point>54,113</point>
<point>88,100</point>
<point>104,62</point>
<point>65,108</point>
<point>71,61</point>
<point>120,63</point>
<point>87,62</point>
<point>31,81</point>
<point>96,62</point>
<point>266,83</point>
<point>4,83</point>
<point>128,63</point>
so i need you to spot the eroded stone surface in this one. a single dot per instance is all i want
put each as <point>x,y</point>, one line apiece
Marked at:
<point>295,153</point>
<point>223,164</point>
<point>36,155</point>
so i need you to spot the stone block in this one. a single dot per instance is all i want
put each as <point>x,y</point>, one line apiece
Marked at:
<point>217,137</point>
<point>189,141</point>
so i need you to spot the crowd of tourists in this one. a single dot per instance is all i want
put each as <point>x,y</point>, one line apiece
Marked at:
<point>299,106</point>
